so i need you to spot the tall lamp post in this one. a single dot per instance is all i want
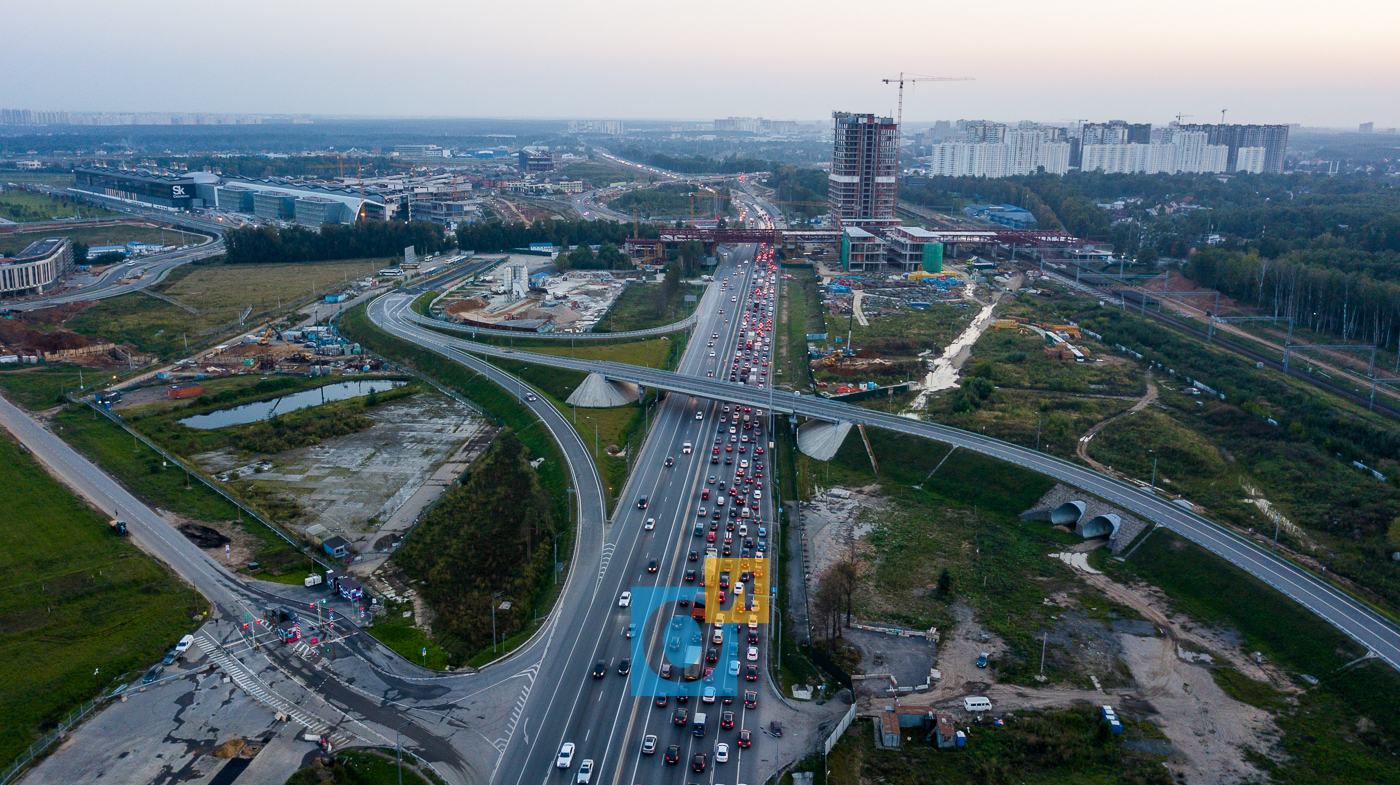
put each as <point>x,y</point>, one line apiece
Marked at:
<point>1154,471</point>
<point>398,754</point>
<point>494,597</point>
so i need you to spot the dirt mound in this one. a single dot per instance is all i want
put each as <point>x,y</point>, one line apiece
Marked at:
<point>17,334</point>
<point>230,748</point>
<point>203,536</point>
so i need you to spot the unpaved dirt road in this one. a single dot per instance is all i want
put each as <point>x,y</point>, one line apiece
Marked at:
<point>1209,731</point>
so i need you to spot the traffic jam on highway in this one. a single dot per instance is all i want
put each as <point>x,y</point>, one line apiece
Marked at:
<point>699,724</point>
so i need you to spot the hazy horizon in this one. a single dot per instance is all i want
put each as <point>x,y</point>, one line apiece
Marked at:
<point>1266,62</point>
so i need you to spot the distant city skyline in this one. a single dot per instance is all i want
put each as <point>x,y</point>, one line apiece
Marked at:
<point>1266,62</point>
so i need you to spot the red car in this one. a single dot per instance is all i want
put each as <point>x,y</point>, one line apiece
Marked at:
<point>709,536</point>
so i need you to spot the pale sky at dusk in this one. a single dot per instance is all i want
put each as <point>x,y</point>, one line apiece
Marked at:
<point>1333,64</point>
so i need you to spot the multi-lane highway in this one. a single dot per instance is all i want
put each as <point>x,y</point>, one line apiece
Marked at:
<point>602,716</point>
<point>1367,627</point>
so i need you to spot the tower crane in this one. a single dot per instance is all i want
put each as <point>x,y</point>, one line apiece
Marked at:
<point>899,117</point>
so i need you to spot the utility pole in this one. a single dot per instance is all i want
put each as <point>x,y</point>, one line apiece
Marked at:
<point>1154,473</point>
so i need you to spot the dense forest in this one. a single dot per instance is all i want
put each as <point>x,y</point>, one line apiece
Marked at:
<point>498,236</point>
<point>366,239</point>
<point>494,533</point>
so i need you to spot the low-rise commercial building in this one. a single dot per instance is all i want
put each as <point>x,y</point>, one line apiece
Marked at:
<point>36,269</point>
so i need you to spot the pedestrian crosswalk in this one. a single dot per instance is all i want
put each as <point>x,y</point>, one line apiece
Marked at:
<point>251,684</point>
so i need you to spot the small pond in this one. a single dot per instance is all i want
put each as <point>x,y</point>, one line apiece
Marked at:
<point>262,410</point>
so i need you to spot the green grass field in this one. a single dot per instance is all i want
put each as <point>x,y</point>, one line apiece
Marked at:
<point>636,308</point>
<point>59,179</point>
<point>76,599</point>
<point>100,235</point>
<point>399,634</point>
<point>28,207</point>
<point>39,386</point>
<point>599,173</point>
<point>220,293</point>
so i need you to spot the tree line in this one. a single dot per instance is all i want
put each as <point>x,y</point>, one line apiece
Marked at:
<point>1351,305</point>
<point>365,239</point>
<point>494,533</point>
<point>698,164</point>
<point>499,236</point>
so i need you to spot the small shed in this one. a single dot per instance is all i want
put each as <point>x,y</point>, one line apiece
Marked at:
<point>336,546</point>
<point>349,588</point>
<point>289,631</point>
<point>887,726</point>
<point>943,731</point>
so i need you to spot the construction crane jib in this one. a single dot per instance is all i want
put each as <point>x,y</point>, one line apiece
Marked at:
<point>900,80</point>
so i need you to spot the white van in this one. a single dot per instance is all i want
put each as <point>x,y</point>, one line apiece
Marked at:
<point>976,703</point>
<point>184,644</point>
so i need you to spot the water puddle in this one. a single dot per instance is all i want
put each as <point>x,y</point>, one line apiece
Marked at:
<point>262,410</point>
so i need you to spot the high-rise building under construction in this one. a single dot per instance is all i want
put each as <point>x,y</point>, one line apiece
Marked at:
<point>864,166</point>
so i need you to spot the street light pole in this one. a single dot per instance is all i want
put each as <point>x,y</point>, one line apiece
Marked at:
<point>398,749</point>
<point>1154,472</point>
<point>493,620</point>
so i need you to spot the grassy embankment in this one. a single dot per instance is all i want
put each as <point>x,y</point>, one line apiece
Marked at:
<point>637,308</point>
<point>29,207</point>
<point>503,405</point>
<point>220,293</point>
<point>599,428</point>
<point>361,767</point>
<point>76,599</point>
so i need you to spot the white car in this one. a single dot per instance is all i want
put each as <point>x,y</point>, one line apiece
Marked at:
<point>585,772</point>
<point>566,755</point>
<point>733,667</point>
<point>757,495</point>
<point>753,654</point>
<point>701,415</point>
<point>753,621</point>
<point>650,524</point>
<point>625,600</point>
<point>721,754</point>
<point>744,464</point>
<point>738,588</point>
<point>700,513</point>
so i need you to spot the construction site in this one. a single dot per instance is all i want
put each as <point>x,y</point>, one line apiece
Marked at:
<point>511,297</point>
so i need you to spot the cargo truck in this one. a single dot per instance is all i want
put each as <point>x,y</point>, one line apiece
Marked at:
<point>696,664</point>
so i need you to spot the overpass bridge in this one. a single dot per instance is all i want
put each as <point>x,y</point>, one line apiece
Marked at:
<point>1379,635</point>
